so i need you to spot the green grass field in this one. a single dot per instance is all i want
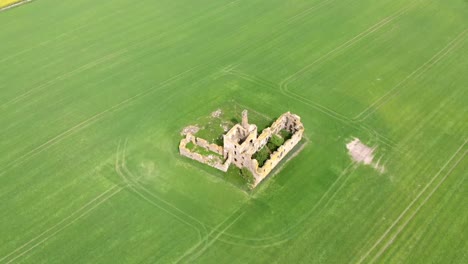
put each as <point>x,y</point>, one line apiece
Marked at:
<point>94,94</point>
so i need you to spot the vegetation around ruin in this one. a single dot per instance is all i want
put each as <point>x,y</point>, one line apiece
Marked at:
<point>226,116</point>
<point>272,145</point>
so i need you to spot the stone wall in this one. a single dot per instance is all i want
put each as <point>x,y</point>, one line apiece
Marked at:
<point>278,124</point>
<point>249,142</point>
<point>261,172</point>
<point>289,122</point>
<point>210,160</point>
<point>208,146</point>
<point>262,140</point>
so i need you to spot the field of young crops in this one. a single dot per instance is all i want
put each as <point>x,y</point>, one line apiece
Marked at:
<point>94,95</point>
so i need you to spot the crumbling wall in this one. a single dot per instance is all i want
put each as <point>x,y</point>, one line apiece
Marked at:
<point>286,121</point>
<point>262,140</point>
<point>208,146</point>
<point>221,166</point>
<point>278,124</point>
<point>248,144</point>
<point>210,160</point>
<point>293,123</point>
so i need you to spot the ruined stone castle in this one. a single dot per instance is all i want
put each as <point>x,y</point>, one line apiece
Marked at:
<point>242,141</point>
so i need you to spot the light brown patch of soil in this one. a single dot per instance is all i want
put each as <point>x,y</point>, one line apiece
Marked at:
<point>189,129</point>
<point>362,153</point>
<point>217,113</point>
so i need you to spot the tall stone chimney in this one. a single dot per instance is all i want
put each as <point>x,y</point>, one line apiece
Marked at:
<point>245,119</point>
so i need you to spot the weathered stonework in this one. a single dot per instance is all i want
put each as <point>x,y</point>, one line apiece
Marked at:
<point>211,160</point>
<point>242,141</point>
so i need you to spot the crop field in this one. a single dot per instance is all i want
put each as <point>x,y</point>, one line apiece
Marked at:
<point>94,95</point>
<point>7,3</point>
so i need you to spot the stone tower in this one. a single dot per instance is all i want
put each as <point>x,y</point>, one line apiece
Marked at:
<point>245,120</point>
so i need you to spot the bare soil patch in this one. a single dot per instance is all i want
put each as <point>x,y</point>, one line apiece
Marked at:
<point>189,129</point>
<point>217,113</point>
<point>364,154</point>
